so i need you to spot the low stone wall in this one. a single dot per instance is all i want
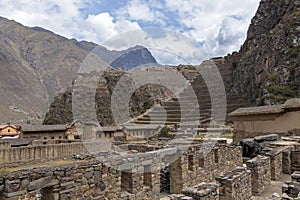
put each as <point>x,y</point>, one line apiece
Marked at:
<point>203,191</point>
<point>292,189</point>
<point>296,176</point>
<point>235,185</point>
<point>260,167</point>
<point>138,147</point>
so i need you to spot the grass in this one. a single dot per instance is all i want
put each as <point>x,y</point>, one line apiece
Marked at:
<point>227,135</point>
<point>44,164</point>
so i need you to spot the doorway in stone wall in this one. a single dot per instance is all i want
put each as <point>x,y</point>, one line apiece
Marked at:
<point>165,179</point>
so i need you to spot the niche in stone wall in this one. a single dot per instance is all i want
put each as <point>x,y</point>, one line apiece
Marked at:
<point>216,155</point>
<point>147,176</point>
<point>191,162</point>
<point>126,181</point>
<point>47,193</point>
<point>201,160</point>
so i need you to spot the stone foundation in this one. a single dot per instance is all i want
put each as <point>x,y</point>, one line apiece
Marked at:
<point>296,176</point>
<point>292,189</point>
<point>203,191</point>
<point>235,185</point>
<point>260,167</point>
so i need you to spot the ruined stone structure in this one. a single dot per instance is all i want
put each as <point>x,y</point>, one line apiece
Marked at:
<point>235,185</point>
<point>276,157</point>
<point>139,177</point>
<point>260,173</point>
<point>203,191</point>
<point>184,170</point>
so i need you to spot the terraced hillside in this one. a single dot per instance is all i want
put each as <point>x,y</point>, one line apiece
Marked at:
<point>182,110</point>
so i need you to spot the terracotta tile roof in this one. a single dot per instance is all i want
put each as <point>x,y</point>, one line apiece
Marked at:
<point>2,126</point>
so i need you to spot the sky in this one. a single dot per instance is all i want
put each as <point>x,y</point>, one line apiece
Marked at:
<point>175,31</point>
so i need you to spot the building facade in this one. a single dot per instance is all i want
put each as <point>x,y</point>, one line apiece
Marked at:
<point>264,120</point>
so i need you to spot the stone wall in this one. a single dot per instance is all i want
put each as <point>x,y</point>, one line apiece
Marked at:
<point>235,185</point>
<point>276,163</point>
<point>85,180</point>
<point>25,155</point>
<point>136,176</point>
<point>199,161</point>
<point>260,167</point>
<point>4,144</point>
<point>295,161</point>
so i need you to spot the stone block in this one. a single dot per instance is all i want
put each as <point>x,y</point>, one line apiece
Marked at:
<point>265,138</point>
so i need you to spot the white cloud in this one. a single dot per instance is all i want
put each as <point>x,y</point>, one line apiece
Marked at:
<point>141,10</point>
<point>210,21</point>
<point>62,17</point>
<point>65,18</point>
<point>104,27</point>
<point>167,46</point>
<point>220,25</point>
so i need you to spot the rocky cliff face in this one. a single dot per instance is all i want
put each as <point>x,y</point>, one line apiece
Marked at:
<point>267,68</point>
<point>61,110</point>
<point>37,64</point>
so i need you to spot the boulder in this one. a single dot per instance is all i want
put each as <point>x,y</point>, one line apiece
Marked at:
<point>251,148</point>
<point>266,138</point>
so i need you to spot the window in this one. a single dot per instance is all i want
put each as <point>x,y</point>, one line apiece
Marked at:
<point>52,138</point>
<point>8,130</point>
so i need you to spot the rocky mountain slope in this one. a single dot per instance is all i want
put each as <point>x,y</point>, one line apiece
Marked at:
<point>61,110</point>
<point>266,70</point>
<point>37,64</point>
